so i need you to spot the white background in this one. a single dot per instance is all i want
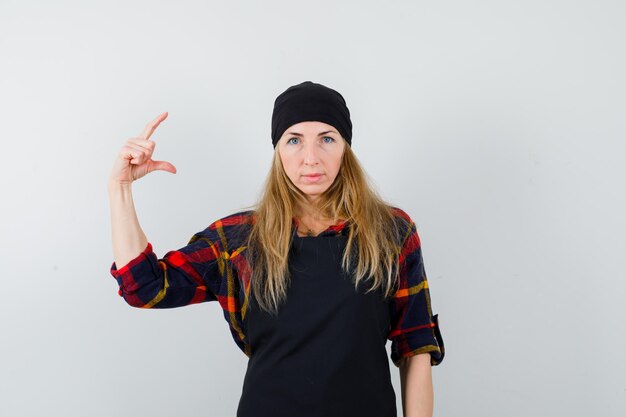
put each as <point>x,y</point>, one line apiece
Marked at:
<point>497,125</point>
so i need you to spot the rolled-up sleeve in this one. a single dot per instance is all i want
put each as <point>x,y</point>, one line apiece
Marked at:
<point>414,329</point>
<point>188,275</point>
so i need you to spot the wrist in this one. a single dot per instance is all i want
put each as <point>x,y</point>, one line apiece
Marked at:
<point>116,186</point>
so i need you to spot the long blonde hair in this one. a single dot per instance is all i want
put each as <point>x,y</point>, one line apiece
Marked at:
<point>373,231</point>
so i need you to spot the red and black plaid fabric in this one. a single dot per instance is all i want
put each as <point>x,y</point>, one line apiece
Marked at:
<point>211,268</point>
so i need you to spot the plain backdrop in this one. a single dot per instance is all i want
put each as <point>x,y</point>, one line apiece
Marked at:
<point>497,125</point>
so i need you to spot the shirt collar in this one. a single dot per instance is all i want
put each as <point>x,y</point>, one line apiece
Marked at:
<point>332,230</point>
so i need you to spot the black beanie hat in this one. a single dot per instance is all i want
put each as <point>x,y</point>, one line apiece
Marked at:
<point>309,101</point>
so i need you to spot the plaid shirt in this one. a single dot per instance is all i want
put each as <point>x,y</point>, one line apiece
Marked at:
<point>211,268</point>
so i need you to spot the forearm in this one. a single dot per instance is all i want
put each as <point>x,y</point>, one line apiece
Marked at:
<point>417,386</point>
<point>128,238</point>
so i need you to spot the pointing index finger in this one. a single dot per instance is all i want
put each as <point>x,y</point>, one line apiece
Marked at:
<point>151,127</point>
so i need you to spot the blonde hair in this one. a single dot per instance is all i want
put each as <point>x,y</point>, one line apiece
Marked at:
<point>374,238</point>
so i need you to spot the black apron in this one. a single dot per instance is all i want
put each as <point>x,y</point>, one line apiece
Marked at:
<point>324,354</point>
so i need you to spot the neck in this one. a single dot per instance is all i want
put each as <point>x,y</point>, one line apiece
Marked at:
<point>309,212</point>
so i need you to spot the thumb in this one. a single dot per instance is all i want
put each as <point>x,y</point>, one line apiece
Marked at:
<point>163,166</point>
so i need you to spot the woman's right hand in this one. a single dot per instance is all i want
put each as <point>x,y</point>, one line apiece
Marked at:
<point>135,158</point>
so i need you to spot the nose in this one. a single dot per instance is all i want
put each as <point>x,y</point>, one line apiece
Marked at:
<point>311,156</point>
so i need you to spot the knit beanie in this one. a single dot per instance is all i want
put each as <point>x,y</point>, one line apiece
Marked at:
<point>309,101</point>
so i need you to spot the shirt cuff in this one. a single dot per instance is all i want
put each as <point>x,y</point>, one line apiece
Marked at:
<point>139,258</point>
<point>426,340</point>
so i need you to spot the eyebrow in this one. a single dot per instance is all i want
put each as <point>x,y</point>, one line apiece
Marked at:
<point>319,134</point>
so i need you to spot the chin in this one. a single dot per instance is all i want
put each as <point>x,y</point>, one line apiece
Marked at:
<point>308,191</point>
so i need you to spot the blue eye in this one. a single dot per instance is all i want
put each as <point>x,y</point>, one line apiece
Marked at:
<point>325,137</point>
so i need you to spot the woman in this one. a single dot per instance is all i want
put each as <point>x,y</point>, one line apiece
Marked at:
<point>313,281</point>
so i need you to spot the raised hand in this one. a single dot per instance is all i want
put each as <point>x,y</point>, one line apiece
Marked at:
<point>135,157</point>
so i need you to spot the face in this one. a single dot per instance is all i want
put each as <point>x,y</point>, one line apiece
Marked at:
<point>311,154</point>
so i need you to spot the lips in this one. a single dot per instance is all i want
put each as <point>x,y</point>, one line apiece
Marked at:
<point>312,178</point>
